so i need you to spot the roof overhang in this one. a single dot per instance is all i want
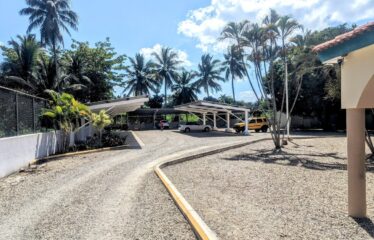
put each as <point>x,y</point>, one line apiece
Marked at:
<point>118,106</point>
<point>210,107</point>
<point>336,49</point>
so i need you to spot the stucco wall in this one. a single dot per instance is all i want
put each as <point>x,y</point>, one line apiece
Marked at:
<point>18,152</point>
<point>357,77</point>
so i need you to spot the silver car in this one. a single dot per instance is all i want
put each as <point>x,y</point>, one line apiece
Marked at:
<point>193,126</point>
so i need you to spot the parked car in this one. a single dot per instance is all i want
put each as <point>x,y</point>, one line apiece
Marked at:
<point>193,126</point>
<point>258,124</point>
<point>165,124</point>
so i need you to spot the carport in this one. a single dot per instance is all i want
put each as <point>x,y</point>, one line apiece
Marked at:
<point>118,106</point>
<point>205,107</point>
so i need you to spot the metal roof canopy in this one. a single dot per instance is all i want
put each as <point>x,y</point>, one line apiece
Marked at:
<point>210,107</point>
<point>118,106</point>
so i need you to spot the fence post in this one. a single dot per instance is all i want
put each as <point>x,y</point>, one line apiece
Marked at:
<point>17,124</point>
<point>33,115</point>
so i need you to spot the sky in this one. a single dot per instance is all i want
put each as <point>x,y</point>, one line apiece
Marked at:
<point>191,27</point>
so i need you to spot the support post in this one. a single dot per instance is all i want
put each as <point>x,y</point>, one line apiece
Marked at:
<point>204,118</point>
<point>17,115</point>
<point>356,163</point>
<point>214,121</point>
<point>228,122</point>
<point>246,132</point>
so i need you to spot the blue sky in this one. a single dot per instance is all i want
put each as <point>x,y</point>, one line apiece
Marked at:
<point>190,26</point>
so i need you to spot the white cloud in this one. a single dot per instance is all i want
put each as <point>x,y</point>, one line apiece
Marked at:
<point>183,56</point>
<point>247,96</point>
<point>205,24</point>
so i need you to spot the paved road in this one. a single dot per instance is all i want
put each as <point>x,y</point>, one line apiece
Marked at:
<point>108,195</point>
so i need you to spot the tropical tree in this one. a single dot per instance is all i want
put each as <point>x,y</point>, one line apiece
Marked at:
<point>75,73</point>
<point>102,65</point>
<point>140,77</point>
<point>19,61</point>
<point>234,32</point>
<point>100,121</point>
<point>52,17</point>
<point>166,65</point>
<point>286,26</point>
<point>233,66</point>
<point>64,112</point>
<point>185,89</point>
<point>209,74</point>
<point>47,76</point>
<point>226,99</point>
<point>155,101</point>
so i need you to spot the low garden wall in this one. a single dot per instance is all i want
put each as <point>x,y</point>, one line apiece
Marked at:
<point>17,152</point>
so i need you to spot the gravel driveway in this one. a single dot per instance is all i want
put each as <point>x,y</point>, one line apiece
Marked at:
<point>107,195</point>
<point>252,193</point>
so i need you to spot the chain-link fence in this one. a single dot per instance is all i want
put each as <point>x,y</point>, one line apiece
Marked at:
<point>19,113</point>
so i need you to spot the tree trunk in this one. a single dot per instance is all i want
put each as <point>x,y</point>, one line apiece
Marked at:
<point>165,93</point>
<point>233,88</point>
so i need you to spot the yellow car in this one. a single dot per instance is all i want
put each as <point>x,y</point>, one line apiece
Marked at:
<point>257,123</point>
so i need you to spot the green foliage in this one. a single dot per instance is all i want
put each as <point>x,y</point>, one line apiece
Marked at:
<point>101,120</point>
<point>155,101</point>
<point>166,66</point>
<point>209,74</point>
<point>64,111</point>
<point>233,66</point>
<point>140,77</point>
<point>101,65</point>
<point>20,61</point>
<point>52,17</point>
<point>185,90</point>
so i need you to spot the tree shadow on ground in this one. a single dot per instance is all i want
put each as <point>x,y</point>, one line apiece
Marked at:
<point>366,224</point>
<point>302,159</point>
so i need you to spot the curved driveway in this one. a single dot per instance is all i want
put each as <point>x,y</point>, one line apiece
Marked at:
<point>108,195</point>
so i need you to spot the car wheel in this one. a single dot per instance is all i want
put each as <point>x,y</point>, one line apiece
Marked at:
<point>257,130</point>
<point>264,129</point>
<point>206,129</point>
<point>238,130</point>
<point>187,130</point>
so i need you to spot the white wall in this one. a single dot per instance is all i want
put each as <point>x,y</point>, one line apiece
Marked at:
<point>18,152</point>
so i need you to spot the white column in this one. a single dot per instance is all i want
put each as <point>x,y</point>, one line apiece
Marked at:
<point>356,162</point>
<point>228,122</point>
<point>214,121</point>
<point>204,118</point>
<point>246,132</point>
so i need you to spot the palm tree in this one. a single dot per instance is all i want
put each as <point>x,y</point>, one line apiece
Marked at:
<point>18,67</point>
<point>140,77</point>
<point>302,40</point>
<point>233,66</point>
<point>185,90</point>
<point>53,17</point>
<point>47,76</point>
<point>286,26</point>
<point>167,67</point>
<point>234,31</point>
<point>64,111</point>
<point>75,75</point>
<point>209,74</point>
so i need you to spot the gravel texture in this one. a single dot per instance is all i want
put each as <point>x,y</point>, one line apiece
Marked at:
<point>107,195</point>
<point>254,193</point>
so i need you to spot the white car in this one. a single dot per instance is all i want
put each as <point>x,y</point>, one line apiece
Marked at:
<point>191,126</point>
<point>165,124</point>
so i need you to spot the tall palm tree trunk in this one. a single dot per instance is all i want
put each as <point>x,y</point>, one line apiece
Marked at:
<point>233,88</point>
<point>166,101</point>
